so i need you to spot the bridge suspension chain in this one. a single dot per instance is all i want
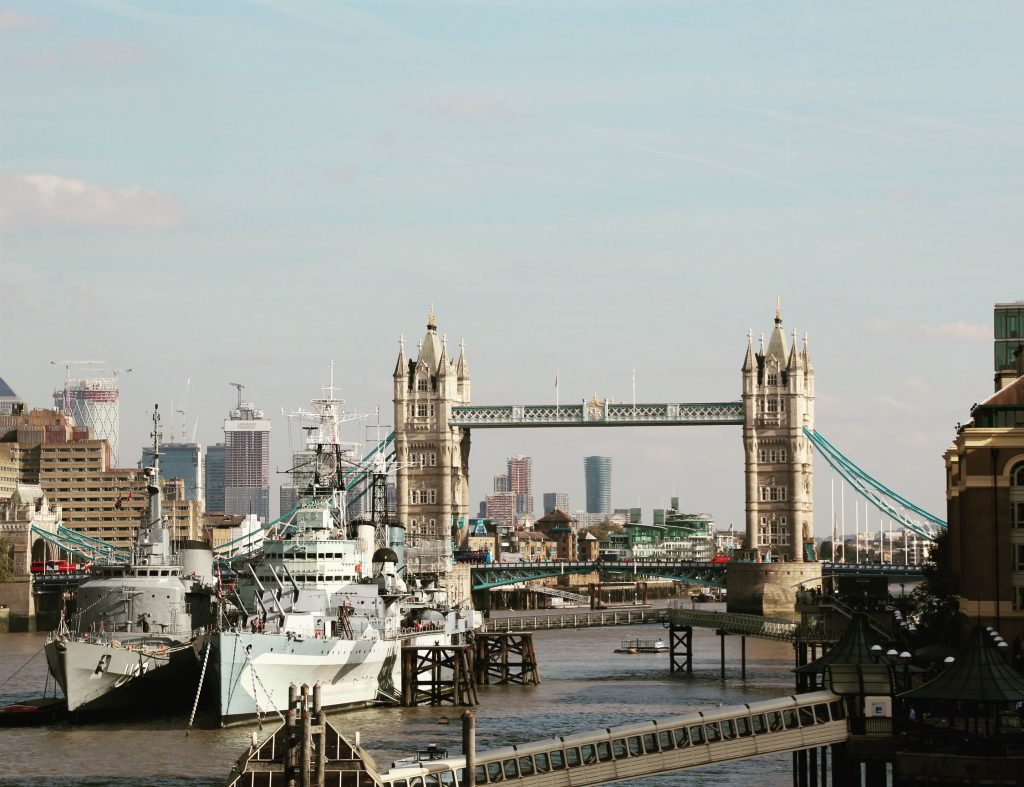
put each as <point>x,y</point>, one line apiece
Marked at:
<point>907,514</point>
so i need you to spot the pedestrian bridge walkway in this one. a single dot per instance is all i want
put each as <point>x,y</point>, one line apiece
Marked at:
<point>635,751</point>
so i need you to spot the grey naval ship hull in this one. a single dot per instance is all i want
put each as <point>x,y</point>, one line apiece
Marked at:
<point>251,672</point>
<point>103,676</point>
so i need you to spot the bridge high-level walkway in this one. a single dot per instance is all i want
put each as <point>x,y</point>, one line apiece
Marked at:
<point>645,749</point>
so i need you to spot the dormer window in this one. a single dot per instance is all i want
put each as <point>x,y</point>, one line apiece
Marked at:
<point>773,378</point>
<point>421,384</point>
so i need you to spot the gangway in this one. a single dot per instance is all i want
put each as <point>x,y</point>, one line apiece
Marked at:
<point>731,622</point>
<point>568,595</point>
<point>644,749</point>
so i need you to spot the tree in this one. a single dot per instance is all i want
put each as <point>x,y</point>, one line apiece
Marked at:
<point>936,610</point>
<point>6,560</point>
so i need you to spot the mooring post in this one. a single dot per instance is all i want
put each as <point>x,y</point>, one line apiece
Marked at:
<point>469,747</point>
<point>321,737</point>
<point>721,635</point>
<point>291,754</point>
<point>743,658</point>
<point>307,738</point>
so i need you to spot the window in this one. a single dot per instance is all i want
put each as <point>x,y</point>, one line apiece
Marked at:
<point>743,726</point>
<point>682,739</point>
<point>557,761</point>
<point>665,740</point>
<point>510,769</point>
<point>572,757</point>
<point>650,744</point>
<point>589,754</point>
<point>604,751</point>
<point>712,731</point>
<point>773,378</point>
<point>775,721</point>
<point>635,749</point>
<point>494,771</point>
<point>526,766</point>
<point>421,384</point>
<point>728,729</point>
<point>619,749</point>
<point>821,713</point>
<point>771,455</point>
<point>697,735</point>
<point>792,722</point>
<point>421,410</point>
<point>806,716</point>
<point>414,496</point>
<point>542,763</point>
<point>1018,557</point>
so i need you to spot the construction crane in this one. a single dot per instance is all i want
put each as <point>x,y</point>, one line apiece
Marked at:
<point>239,386</point>
<point>68,364</point>
<point>181,408</point>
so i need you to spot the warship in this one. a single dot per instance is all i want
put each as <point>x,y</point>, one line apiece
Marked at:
<point>130,642</point>
<point>328,600</point>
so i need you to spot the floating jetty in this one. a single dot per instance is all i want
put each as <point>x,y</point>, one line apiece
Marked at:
<point>643,646</point>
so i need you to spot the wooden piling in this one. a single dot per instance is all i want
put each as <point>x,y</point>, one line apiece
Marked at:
<point>437,674</point>
<point>506,658</point>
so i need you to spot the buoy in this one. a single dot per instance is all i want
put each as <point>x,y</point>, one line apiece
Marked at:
<point>443,720</point>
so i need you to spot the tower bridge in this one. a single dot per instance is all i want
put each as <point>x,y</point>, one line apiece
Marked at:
<point>435,416</point>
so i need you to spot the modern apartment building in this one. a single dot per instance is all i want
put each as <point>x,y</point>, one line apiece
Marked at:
<point>520,483</point>
<point>597,476</point>
<point>553,500</point>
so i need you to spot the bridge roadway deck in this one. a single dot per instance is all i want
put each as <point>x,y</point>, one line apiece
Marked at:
<point>647,748</point>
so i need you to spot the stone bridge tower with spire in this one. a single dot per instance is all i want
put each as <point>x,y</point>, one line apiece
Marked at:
<point>432,486</point>
<point>778,402</point>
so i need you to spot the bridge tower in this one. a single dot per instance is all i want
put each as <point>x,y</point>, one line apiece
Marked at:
<point>433,457</point>
<point>778,402</point>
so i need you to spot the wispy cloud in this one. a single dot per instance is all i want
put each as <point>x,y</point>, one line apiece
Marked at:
<point>942,332</point>
<point>961,331</point>
<point>101,54</point>
<point>15,20</point>
<point>722,167</point>
<point>475,110</point>
<point>812,120</point>
<point>52,201</point>
<point>892,402</point>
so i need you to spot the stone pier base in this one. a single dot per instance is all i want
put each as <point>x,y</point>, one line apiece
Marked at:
<point>769,589</point>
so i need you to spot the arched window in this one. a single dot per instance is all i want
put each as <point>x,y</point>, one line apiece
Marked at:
<point>1017,496</point>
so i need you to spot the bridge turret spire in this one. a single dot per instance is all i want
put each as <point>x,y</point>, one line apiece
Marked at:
<point>401,367</point>
<point>748,360</point>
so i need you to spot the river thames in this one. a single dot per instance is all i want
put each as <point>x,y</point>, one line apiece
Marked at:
<point>585,686</point>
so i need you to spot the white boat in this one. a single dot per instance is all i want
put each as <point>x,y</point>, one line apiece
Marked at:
<point>324,603</point>
<point>130,642</point>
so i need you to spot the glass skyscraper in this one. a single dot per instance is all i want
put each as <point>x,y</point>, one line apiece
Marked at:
<point>180,460</point>
<point>215,477</point>
<point>597,474</point>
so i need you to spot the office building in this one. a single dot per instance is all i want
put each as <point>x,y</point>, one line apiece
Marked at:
<point>553,500</point>
<point>10,404</point>
<point>985,499</point>
<point>95,403</point>
<point>183,461</point>
<point>214,477</point>
<point>1009,336</point>
<point>520,483</point>
<point>500,508</point>
<point>247,461</point>
<point>597,475</point>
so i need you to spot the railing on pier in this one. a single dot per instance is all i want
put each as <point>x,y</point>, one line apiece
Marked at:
<point>573,620</point>
<point>733,623</point>
<point>633,751</point>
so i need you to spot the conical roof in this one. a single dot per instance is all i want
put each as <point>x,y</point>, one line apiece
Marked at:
<point>854,647</point>
<point>979,674</point>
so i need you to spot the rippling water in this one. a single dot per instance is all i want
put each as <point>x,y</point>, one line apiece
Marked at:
<point>585,685</point>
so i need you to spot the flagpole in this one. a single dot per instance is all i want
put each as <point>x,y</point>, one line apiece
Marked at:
<point>556,392</point>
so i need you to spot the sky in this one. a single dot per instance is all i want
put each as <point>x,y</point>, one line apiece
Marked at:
<point>246,191</point>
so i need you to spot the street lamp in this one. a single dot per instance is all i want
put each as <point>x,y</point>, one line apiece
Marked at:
<point>876,651</point>
<point>905,657</point>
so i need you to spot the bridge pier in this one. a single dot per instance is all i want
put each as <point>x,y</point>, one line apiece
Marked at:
<point>769,589</point>
<point>434,675</point>
<point>680,638</point>
<point>506,658</point>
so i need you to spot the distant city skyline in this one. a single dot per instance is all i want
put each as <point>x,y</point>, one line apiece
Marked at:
<point>193,192</point>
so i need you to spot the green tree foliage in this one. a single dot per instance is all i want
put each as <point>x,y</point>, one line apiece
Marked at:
<point>6,560</point>
<point>936,611</point>
<point>603,530</point>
